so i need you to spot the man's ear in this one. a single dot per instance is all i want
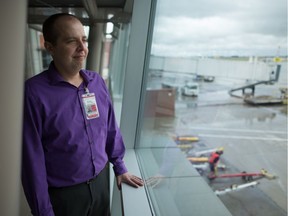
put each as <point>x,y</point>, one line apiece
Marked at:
<point>49,47</point>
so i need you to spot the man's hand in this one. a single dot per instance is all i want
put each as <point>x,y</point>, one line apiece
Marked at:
<point>129,179</point>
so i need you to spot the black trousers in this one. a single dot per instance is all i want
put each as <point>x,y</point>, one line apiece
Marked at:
<point>90,198</point>
<point>212,167</point>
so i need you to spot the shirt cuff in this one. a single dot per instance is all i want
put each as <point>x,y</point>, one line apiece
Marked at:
<point>120,169</point>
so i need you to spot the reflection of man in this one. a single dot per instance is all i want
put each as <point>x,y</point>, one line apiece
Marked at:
<point>169,159</point>
<point>214,159</point>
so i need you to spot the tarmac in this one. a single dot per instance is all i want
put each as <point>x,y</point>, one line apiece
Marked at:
<point>254,138</point>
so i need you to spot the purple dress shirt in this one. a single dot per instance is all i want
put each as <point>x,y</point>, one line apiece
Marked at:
<point>61,147</point>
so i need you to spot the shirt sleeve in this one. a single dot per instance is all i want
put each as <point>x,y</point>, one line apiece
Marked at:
<point>34,177</point>
<point>115,147</point>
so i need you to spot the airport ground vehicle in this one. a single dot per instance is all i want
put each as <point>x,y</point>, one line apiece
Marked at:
<point>208,78</point>
<point>191,89</point>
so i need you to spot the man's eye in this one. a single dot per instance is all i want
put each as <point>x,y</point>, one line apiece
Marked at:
<point>71,41</point>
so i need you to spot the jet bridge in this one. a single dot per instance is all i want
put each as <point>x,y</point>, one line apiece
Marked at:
<point>264,99</point>
<point>249,86</point>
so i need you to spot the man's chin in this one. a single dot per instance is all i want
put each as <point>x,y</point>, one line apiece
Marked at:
<point>78,65</point>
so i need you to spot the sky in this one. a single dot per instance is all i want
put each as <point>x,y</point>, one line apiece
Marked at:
<point>220,28</point>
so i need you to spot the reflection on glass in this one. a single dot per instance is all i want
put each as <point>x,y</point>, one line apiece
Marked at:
<point>115,62</point>
<point>214,68</point>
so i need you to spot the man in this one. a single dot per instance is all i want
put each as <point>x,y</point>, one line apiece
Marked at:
<point>70,131</point>
<point>214,159</point>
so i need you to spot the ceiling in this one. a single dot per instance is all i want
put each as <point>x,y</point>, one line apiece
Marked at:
<point>89,11</point>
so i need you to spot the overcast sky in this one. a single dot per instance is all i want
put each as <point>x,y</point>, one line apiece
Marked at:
<point>220,27</point>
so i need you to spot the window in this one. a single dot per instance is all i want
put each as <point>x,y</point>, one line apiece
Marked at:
<point>228,51</point>
<point>46,58</point>
<point>117,66</point>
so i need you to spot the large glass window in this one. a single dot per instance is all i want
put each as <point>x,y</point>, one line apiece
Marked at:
<point>217,78</point>
<point>117,65</point>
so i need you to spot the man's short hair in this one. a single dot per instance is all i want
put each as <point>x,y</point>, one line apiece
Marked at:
<point>49,32</point>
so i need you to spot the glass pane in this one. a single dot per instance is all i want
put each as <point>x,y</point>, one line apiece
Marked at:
<point>217,78</point>
<point>116,62</point>
<point>179,192</point>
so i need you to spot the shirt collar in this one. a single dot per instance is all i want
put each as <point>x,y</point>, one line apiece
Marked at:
<point>55,77</point>
<point>86,76</point>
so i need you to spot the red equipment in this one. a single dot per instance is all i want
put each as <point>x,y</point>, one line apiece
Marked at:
<point>245,176</point>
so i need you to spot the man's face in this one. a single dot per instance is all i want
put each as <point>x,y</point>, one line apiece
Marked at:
<point>70,51</point>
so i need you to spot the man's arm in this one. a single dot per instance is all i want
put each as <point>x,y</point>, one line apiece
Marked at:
<point>34,177</point>
<point>115,149</point>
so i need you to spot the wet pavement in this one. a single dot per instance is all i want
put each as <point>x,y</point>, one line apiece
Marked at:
<point>253,137</point>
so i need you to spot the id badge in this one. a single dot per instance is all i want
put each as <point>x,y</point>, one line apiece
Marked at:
<point>90,106</point>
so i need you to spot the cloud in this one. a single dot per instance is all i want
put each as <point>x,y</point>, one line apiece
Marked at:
<point>225,28</point>
<point>186,28</point>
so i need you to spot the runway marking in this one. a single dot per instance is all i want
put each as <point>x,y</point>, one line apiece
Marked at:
<point>236,130</point>
<point>243,137</point>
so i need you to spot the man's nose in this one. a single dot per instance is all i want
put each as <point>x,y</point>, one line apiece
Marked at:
<point>82,45</point>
